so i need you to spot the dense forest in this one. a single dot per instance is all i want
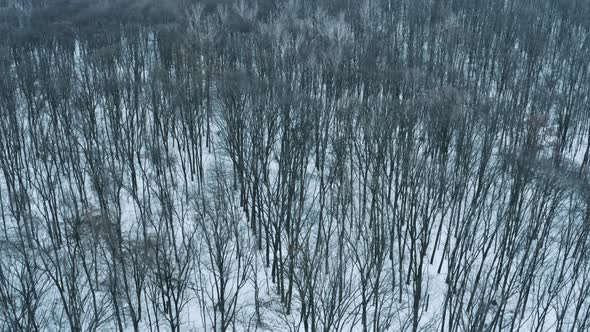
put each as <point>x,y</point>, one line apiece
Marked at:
<point>294,165</point>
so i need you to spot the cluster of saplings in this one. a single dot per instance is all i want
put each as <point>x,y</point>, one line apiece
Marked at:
<point>294,165</point>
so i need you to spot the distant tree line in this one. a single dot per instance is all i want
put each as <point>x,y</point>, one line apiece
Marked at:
<point>295,165</point>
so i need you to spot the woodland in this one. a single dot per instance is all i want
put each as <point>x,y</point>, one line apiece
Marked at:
<point>294,165</point>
